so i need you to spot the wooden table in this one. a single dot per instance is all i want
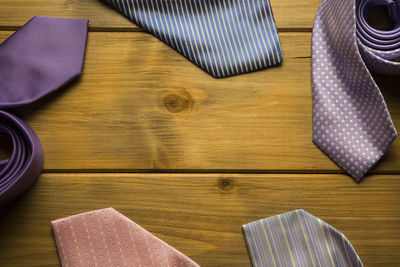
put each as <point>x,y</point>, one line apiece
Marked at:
<point>189,157</point>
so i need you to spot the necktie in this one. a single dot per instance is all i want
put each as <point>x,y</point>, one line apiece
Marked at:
<point>39,58</point>
<point>298,238</point>
<point>351,122</point>
<point>107,238</point>
<point>223,38</point>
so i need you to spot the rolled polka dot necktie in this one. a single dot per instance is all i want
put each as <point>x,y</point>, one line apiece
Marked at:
<point>298,238</point>
<point>107,238</point>
<point>351,122</point>
<point>38,59</point>
<point>224,38</point>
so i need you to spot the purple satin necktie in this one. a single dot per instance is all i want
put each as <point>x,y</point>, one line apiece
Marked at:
<point>351,122</point>
<point>36,60</point>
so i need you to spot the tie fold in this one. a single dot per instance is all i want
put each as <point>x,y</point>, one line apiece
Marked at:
<point>39,58</point>
<point>298,238</point>
<point>107,238</point>
<point>224,38</point>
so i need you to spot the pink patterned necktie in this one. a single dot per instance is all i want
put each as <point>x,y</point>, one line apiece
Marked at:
<point>351,122</point>
<point>107,238</point>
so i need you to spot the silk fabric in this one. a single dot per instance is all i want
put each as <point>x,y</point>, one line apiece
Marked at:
<point>39,58</point>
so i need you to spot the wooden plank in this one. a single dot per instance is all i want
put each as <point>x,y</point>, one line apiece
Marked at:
<point>141,106</point>
<point>202,214</point>
<point>14,13</point>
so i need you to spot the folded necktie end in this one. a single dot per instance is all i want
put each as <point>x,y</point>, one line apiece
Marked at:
<point>220,76</point>
<point>107,238</point>
<point>355,164</point>
<point>343,163</point>
<point>298,238</point>
<point>42,56</point>
<point>224,38</point>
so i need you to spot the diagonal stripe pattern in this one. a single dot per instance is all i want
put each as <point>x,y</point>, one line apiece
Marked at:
<point>298,238</point>
<point>224,38</point>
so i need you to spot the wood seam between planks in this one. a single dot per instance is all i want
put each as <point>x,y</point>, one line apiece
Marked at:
<point>124,29</point>
<point>188,171</point>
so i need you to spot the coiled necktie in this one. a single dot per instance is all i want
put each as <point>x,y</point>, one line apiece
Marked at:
<point>39,58</point>
<point>351,122</point>
<point>224,38</point>
<point>26,161</point>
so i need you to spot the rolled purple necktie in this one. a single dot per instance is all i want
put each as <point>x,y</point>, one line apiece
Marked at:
<point>38,59</point>
<point>25,164</point>
<point>374,38</point>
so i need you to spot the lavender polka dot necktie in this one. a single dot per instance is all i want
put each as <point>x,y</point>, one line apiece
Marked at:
<point>351,122</point>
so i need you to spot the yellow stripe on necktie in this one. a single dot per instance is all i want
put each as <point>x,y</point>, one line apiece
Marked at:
<point>345,248</point>
<point>326,241</point>
<point>269,244</point>
<point>305,238</point>
<point>286,239</point>
<point>249,245</point>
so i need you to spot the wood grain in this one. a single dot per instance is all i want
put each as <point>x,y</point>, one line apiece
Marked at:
<point>289,15</point>
<point>141,106</point>
<point>202,214</point>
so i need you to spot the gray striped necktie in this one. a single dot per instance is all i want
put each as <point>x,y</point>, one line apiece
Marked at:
<point>298,238</point>
<point>224,38</point>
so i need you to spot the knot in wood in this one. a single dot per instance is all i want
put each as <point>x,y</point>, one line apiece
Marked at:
<point>176,103</point>
<point>226,184</point>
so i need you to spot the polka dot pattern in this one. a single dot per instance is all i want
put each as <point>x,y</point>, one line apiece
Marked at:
<point>107,238</point>
<point>351,122</point>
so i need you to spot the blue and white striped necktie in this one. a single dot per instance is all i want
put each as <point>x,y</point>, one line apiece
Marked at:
<point>298,238</point>
<point>224,37</point>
